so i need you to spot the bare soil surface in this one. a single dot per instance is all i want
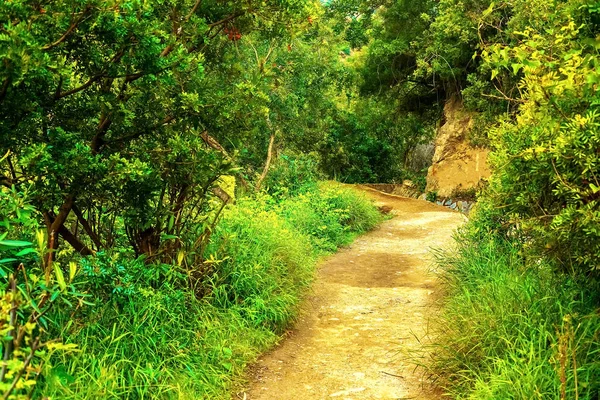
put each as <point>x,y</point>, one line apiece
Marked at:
<point>363,329</point>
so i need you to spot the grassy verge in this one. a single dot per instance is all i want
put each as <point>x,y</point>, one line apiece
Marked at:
<point>158,340</point>
<point>512,329</point>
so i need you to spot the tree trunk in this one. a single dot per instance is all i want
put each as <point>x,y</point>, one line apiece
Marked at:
<point>54,223</point>
<point>88,229</point>
<point>267,163</point>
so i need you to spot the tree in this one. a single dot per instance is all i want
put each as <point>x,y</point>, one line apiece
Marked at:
<point>101,110</point>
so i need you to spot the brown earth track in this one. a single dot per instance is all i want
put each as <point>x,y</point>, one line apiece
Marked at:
<point>364,327</point>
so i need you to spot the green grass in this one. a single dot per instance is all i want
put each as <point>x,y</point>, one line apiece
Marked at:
<point>331,216</point>
<point>156,340</point>
<point>512,329</point>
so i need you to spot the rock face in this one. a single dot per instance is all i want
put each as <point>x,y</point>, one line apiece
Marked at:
<point>457,165</point>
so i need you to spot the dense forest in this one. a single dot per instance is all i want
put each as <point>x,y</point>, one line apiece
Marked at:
<point>166,184</point>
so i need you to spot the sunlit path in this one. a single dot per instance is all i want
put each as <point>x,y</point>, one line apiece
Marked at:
<point>367,319</point>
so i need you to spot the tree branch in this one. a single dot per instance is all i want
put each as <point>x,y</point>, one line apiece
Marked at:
<point>54,224</point>
<point>87,228</point>
<point>63,212</point>
<point>193,10</point>
<point>80,88</point>
<point>227,19</point>
<point>74,241</point>
<point>267,163</point>
<point>72,27</point>
<point>116,58</point>
<point>141,133</point>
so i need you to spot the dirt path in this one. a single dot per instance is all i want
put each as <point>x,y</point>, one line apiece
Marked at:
<point>367,316</point>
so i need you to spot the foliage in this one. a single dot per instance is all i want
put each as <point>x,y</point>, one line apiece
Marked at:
<point>127,128</point>
<point>331,216</point>
<point>108,107</point>
<point>30,293</point>
<point>265,264</point>
<point>510,330</point>
<point>150,335</point>
<point>432,196</point>
<point>293,174</point>
<point>388,110</point>
<point>552,139</point>
<point>520,320</point>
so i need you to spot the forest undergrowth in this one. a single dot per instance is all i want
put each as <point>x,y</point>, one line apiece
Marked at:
<point>141,330</point>
<point>513,329</point>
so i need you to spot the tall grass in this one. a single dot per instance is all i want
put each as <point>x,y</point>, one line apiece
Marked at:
<point>512,329</point>
<point>157,340</point>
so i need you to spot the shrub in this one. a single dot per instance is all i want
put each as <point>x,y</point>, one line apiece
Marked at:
<point>545,152</point>
<point>265,264</point>
<point>331,215</point>
<point>31,293</point>
<point>292,174</point>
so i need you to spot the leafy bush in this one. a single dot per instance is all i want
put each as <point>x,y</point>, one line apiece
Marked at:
<point>431,196</point>
<point>330,215</point>
<point>545,157</point>
<point>265,265</point>
<point>32,290</point>
<point>292,174</point>
<point>117,278</point>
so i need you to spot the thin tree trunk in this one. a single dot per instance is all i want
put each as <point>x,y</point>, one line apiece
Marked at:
<point>54,223</point>
<point>267,163</point>
<point>88,229</point>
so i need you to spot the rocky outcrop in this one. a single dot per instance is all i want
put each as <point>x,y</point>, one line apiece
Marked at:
<point>457,166</point>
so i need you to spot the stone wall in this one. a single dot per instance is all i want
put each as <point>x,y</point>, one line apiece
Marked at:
<point>406,189</point>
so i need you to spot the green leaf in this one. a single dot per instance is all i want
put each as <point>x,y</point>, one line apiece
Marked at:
<point>516,67</point>
<point>15,243</point>
<point>26,251</point>
<point>227,365</point>
<point>72,271</point>
<point>489,10</point>
<point>60,278</point>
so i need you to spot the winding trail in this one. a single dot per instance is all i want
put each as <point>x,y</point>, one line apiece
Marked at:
<point>364,326</point>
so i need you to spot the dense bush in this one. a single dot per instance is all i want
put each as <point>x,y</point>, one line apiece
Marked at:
<point>292,174</point>
<point>545,155</point>
<point>330,216</point>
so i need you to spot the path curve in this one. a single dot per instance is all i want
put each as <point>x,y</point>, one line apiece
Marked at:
<point>364,325</point>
